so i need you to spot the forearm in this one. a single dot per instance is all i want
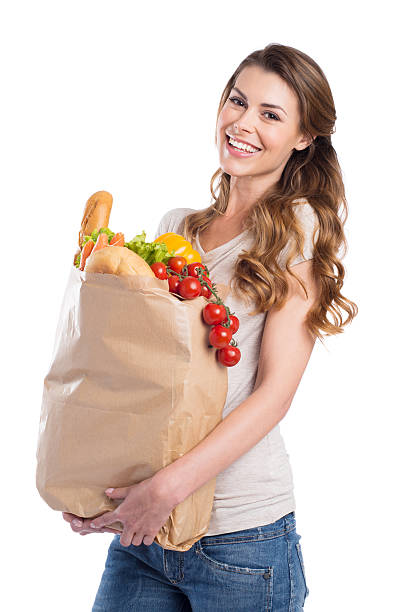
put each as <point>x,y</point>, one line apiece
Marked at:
<point>235,435</point>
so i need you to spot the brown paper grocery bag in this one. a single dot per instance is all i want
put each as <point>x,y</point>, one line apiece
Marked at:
<point>132,386</point>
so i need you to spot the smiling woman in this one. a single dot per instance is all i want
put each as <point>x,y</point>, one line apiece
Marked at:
<point>273,234</point>
<point>294,160</point>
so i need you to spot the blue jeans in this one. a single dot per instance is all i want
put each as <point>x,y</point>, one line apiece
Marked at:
<point>251,570</point>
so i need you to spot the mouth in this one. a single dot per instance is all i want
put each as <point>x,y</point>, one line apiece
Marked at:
<point>239,152</point>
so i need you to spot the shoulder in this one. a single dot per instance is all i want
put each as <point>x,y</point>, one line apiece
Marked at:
<point>308,221</point>
<point>172,219</point>
<point>303,208</point>
<point>307,217</point>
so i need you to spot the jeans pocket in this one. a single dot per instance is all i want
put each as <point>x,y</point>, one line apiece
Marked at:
<point>239,573</point>
<point>300,555</point>
<point>233,557</point>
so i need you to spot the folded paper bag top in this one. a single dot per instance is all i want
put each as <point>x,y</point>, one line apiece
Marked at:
<point>132,386</point>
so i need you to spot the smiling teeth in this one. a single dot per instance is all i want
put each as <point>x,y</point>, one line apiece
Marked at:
<point>244,147</point>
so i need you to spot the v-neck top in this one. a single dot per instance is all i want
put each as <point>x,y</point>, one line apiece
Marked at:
<point>257,488</point>
<point>228,244</point>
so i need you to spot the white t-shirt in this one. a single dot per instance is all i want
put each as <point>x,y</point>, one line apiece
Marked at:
<point>257,488</point>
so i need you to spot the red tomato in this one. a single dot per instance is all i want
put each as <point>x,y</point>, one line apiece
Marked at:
<point>189,288</point>
<point>206,292</point>
<point>208,281</point>
<point>214,313</point>
<point>177,264</point>
<point>159,269</point>
<point>234,323</point>
<point>193,267</point>
<point>228,355</point>
<point>173,282</point>
<point>220,336</point>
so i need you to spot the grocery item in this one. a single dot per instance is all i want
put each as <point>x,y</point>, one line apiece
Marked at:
<point>169,257</point>
<point>117,260</point>
<point>180,246</point>
<point>132,384</point>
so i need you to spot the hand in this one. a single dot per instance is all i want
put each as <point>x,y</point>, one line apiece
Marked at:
<point>145,509</point>
<point>84,528</point>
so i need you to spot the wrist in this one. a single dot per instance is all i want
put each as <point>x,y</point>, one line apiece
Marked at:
<point>170,485</point>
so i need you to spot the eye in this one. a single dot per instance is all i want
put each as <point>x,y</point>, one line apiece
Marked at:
<point>269,113</point>
<point>236,100</point>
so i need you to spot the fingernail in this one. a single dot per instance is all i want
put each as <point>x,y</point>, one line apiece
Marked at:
<point>77,523</point>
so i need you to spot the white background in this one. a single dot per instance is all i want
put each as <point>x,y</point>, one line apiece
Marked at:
<point>123,96</point>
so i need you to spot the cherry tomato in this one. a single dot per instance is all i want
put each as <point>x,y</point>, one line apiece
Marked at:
<point>192,269</point>
<point>214,313</point>
<point>173,282</point>
<point>177,263</point>
<point>159,269</point>
<point>206,292</point>
<point>220,336</point>
<point>208,281</point>
<point>228,355</point>
<point>234,323</point>
<point>189,288</point>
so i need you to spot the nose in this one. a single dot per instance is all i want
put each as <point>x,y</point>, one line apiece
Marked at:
<point>246,122</point>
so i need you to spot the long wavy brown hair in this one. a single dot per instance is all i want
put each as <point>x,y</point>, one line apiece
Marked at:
<point>314,174</point>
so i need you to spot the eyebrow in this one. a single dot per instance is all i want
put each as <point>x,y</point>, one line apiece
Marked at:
<point>264,104</point>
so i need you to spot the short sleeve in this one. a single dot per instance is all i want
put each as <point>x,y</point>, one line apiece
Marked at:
<point>172,220</point>
<point>308,220</point>
<point>163,225</point>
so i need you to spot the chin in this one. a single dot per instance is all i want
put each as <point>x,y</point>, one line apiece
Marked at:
<point>234,167</point>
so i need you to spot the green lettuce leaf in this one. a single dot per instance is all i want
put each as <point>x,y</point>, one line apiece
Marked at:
<point>95,233</point>
<point>150,251</point>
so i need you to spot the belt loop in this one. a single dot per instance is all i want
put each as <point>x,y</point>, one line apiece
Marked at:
<point>289,522</point>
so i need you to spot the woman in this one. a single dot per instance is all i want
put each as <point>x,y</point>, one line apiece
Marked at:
<point>273,233</point>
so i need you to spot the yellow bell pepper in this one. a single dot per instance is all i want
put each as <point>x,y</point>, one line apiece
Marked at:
<point>181,246</point>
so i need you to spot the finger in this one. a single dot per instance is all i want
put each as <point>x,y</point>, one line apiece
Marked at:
<point>86,531</point>
<point>103,530</point>
<point>76,525</point>
<point>148,539</point>
<point>118,493</point>
<point>137,539</point>
<point>86,528</point>
<point>105,519</point>
<point>127,536</point>
<point>68,516</point>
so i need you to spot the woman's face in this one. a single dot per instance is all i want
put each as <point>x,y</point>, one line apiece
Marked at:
<point>275,131</point>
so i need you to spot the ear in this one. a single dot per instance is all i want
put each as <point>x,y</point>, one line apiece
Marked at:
<point>304,142</point>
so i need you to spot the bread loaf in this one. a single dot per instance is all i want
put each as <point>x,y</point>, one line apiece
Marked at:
<point>96,214</point>
<point>118,260</point>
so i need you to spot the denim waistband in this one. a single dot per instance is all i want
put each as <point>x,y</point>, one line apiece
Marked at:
<point>283,525</point>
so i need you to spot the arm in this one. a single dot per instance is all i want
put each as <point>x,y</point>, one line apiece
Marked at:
<point>285,351</point>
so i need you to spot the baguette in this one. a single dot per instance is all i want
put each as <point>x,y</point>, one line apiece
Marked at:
<point>96,215</point>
